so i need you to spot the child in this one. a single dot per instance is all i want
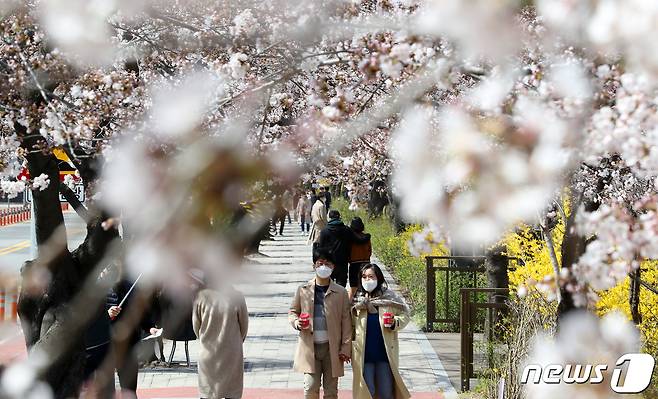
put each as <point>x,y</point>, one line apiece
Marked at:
<point>320,311</point>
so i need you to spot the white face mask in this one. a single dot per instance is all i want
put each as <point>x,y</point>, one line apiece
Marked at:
<point>369,285</point>
<point>323,271</point>
<point>308,196</point>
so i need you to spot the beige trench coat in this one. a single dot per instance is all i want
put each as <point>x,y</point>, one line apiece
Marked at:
<point>360,320</point>
<point>319,218</point>
<point>339,326</point>
<point>304,209</point>
<point>220,320</point>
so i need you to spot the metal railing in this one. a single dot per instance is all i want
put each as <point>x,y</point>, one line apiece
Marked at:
<point>452,266</point>
<point>468,314</point>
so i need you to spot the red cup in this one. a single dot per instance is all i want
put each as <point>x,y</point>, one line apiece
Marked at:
<point>388,319</point>
<point>304,320</point>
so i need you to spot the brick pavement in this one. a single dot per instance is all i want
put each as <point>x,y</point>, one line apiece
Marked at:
<point>279,268</point>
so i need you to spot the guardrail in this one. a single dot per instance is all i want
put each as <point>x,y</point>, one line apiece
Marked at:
<point>469,308</point>
<point>475,265</point>
<point>8,305</point>
<point>17,214</point>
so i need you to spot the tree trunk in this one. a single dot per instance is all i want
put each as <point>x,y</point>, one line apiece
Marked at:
<point>634,295</point>
<point>377,201</point>
<point>573,246</point>
<point>497,265</point>
<point>46,314</point>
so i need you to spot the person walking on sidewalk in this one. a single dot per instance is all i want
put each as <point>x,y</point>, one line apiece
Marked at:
<point>303,211</point>
<point>359,255</point>
<point>339,239</point>
<point>220,319</point>
<point>320,311</point>
<point>318,218</point>
<point>327,195</point>
<point>288,203</point>
<point>378,314</point>
<point>280,213</point>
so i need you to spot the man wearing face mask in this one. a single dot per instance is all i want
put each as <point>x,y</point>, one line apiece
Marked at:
<point>320,311</point>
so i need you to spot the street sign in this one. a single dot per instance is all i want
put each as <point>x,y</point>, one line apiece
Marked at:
<point>78,189</point>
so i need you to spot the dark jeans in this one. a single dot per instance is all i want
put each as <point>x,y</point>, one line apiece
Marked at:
<point>339,275</point>
<point>281,220</point>
<point>379,377</point>
<point>304,223</point>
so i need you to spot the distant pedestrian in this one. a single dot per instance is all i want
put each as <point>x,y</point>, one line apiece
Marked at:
<point>320,311</point>
<point>288,204</point>
<point>339,239</point>
<point>280,213</point>
<point>327,195</point>
<point>220,320</point>
<point>303,211</point>
<point>378,314</point>
<point>359,254</point>
<point>318,218</point>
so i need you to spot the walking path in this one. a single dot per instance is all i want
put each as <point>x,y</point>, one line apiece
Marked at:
<point>281,266</point>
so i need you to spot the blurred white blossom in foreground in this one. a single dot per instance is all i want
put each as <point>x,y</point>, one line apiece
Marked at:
<point>583,339</point>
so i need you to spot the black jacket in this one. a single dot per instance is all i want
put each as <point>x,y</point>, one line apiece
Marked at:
<point>338,239</point>
<point>114,298</point>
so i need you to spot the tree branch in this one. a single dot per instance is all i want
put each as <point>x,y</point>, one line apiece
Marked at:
<point>73,200</point>
<point>649,287</point>
<point>548,239</point>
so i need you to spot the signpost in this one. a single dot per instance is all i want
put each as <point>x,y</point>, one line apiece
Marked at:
<point>65,168</point>
<point>78,189</point>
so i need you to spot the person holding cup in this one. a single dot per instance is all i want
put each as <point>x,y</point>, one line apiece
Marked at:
<point>378,314</point>
<point>320,311</point>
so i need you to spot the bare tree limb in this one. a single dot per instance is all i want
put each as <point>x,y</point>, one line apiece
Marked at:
<point>72,199</point>
<point>548,239</point>
<point>649,286</point>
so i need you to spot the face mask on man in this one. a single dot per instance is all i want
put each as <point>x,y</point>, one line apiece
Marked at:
<point>323,271</point>
<point>308,196</point>
<point>369,285</point>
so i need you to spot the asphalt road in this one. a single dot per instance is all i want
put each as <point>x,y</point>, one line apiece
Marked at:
<point>15,241</point>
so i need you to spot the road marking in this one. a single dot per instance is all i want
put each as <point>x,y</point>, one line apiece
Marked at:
<point>26,244</point>
<point>15,247</point>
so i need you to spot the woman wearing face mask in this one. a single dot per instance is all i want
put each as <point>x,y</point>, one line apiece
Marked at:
<point>378,314</point>
<point>320,311</point>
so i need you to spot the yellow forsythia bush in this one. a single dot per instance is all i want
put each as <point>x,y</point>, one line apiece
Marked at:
<point>529,245</point>
<point>617,299</point>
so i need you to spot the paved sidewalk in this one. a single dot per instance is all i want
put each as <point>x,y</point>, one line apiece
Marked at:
<point>281,266</point>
